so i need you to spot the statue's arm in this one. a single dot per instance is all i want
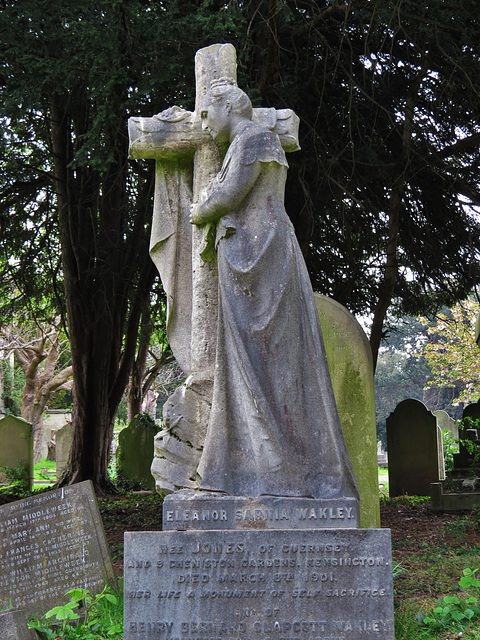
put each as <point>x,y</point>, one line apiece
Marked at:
<point>237,183</point>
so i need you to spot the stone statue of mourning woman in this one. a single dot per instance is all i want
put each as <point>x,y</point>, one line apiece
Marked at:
<point>256,415</point>
<point>273,428</point>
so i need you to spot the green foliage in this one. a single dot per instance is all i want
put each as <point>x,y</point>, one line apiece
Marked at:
<point>14,381</point>
<point>452,352</point>
<point>18,481</point>
<point>99,616</point>
<point>454,612</point>
<point>450,446</point>
<point>399,375</point>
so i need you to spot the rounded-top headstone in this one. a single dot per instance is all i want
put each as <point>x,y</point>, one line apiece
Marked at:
<point>351,370</point>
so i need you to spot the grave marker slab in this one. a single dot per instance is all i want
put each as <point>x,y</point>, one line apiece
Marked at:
<point>49,544</point>
<point>412,444</point>
<point>259,584</point>
<point>351,369</point>
<point>135,453</point>
<point>63,442</point>
<point>13,626</point>
<point>16,447</point>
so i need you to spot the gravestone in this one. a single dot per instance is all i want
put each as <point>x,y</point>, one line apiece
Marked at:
<point>63,442</point>
<point>13,626</point>
<point>51,543</point>
<point>351,370</point>
<point>135,453</point>
<point>472,411</point>
<point>248,563</point>
<point>16,447</point>
<point>54,420</point>
<point>382,458</point>
<point>446,423</point>
<point>413,449</point>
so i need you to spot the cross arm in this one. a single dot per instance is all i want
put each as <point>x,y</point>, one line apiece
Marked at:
<point>176,132</point>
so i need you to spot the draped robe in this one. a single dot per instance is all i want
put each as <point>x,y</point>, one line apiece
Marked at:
<point>273,427</point>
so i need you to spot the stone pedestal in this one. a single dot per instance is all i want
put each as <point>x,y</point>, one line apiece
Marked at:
<point>257,569</point>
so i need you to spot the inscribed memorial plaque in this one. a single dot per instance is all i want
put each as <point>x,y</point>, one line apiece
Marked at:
<point>49,544</point>
<point>250,585</point>
<point>185,510</point>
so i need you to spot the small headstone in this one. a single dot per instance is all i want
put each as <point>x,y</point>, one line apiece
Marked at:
<point>446,423</point>
<point>472,411</point>
<point>51,543</point>
<point>135,453</point>
<point>413,452</point>
<point>13,626</point>
<point>54,420</point>
<point>16,447</point>
<point>382,458</point>
<point>351,369</point>
<point>63,442</point>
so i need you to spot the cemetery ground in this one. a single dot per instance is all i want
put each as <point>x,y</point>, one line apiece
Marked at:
<point>430,552</point>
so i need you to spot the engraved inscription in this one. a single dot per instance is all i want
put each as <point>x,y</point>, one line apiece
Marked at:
<point>287,585</point>
<point>49,545</point>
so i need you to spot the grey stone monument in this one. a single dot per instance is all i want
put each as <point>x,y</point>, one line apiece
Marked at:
<point>413,449</point>
<point>268,540</point>
<point>16,447</point>
<point>63,442</point>
<point>13,626</point>
<point>51,543</point>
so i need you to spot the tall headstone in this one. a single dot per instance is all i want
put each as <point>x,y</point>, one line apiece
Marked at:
<point>413,451</point>
<point>16,447</point>
<point>351,370</point>
<point>63,442</point>
<point>271,545</point>
<point>135,453</point>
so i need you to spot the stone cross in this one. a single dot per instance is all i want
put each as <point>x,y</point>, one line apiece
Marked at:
<point>187,161</point>
<point>176,136</point>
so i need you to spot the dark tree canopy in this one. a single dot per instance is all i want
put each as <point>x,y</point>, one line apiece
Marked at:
<point>381,194</point>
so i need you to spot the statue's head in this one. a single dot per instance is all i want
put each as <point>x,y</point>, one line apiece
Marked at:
<point>222,106</point>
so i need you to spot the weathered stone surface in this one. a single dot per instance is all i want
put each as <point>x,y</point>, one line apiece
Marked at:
<point>135,453</point>
<point>251,584</point>
<point>51,543</point>
<point>185,510</point>
<point>63,442</point>
<point>446,423</point>
<point>412,445</point>
<point>54,420</point>
<point>351,370</point>
<point>16,447</point>
<point>284,434</point>
<point>13,626</point>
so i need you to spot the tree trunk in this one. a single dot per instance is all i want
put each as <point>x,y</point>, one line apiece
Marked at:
<point>135,387</point>
<point>107,281</point>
